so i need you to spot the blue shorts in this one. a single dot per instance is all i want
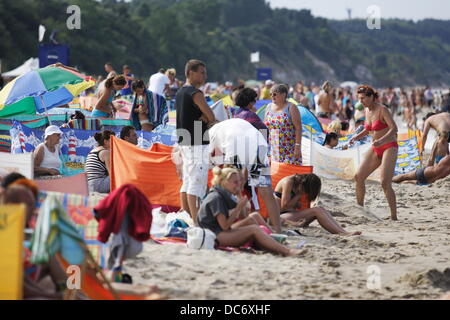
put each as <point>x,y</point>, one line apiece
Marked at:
<point>100,114</point>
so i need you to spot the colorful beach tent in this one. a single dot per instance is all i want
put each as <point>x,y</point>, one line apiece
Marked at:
<point>42,89</point>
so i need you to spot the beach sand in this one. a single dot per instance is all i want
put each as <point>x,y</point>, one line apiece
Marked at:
<point>411,255</point>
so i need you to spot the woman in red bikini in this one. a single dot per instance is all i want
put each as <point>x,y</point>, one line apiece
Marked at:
<point>384,147</point>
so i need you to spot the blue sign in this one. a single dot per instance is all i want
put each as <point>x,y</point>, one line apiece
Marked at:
<point>263,74</point>
<point>50,54</point>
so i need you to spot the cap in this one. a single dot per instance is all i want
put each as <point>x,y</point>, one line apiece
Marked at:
<point>51,130</point>
<point>269,82</point>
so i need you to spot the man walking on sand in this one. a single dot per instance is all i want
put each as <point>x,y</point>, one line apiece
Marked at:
<point>194,117</point>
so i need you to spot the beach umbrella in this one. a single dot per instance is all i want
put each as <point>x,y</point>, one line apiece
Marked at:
<point>42,89</point>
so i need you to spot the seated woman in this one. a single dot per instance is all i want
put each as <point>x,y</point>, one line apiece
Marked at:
<point>219,212</point>
<point>149,110</point>
<point>97,165</point>
<point>46,155</point>
<point>288,192</point>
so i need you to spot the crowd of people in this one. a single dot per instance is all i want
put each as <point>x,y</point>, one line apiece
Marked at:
<point>240,150</point>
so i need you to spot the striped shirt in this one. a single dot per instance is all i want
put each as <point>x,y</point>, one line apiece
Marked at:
<point>94,167</point>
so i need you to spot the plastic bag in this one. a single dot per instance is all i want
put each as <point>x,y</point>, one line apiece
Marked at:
<point>199,238</point>
<point>159,226</point>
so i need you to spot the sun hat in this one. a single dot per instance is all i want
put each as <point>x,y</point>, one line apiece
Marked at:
<point>269,82</point>
<point>52,130</point>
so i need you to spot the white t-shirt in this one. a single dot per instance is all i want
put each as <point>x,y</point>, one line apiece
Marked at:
<point>237,137</point>
<point>157,83</point>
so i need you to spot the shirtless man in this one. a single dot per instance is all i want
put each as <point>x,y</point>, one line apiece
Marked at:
<point>439,122</point>
<point>326,101</point>
<point>428,174</point>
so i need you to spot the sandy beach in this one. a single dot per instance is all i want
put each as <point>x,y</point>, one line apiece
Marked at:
<point>411,254</point>
<point>405,259</point>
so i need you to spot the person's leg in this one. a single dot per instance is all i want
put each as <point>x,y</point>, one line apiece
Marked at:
<point>194,205</point>
<point>404,177</point>
<point>237,237</point>
<point>271,206</point>
<point>387,172</point>
<point>254,218</point>
<point>370,163</point>
<point>184,202</point>
<point>323,217</point>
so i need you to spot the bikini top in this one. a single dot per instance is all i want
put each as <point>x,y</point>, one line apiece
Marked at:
<point>376,126</point>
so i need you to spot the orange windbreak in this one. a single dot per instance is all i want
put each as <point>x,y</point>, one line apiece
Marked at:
<point>152,172</point>
<point>279,171</point>
<point>158,147</point>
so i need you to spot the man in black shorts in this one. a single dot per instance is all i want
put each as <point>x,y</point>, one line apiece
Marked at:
<point>427,175</point>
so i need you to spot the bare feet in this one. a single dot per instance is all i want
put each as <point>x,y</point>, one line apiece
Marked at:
<point>296,252</point>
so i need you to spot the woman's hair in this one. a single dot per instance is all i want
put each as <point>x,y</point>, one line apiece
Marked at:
<point>77,115</point>
<point>137,84</point>
<point>326,86</point>
<point>310,183</point>
<point>117,80</point>
<point>335,126</point>
<point>220,175</point>
<point>330,136</point>
<point>280,88</point>
<point>29,184</point>
<point>245,97</point>
<point>11,178</point>
<point>368,91</point>
<point>100,137</point>
<point>171,71</point>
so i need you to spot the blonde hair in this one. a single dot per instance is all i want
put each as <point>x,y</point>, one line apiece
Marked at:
<point>171,71</point>
<point>335,127</point>
<point>326,86</point>
<point>220,175</point>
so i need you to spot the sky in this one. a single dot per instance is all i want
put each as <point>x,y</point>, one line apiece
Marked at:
<point>404,9</point>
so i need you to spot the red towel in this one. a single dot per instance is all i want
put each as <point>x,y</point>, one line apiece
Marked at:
<point>111,211</point>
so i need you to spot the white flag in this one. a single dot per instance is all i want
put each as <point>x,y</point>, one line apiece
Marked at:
<point>254,57</point>
<point>41,32</point>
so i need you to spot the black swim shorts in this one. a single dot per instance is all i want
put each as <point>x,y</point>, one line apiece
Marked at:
<point>420,176</point>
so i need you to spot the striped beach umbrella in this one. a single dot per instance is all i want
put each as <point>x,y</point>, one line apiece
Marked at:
<point>42,89</point>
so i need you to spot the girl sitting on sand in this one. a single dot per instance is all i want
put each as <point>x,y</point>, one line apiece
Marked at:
<point>288,192</point>
<point>219,213</point>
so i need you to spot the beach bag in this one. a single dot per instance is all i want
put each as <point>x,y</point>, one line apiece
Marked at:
<point>199,238</point>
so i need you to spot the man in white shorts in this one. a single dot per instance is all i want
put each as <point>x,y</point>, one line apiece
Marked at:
<point>194,116</point>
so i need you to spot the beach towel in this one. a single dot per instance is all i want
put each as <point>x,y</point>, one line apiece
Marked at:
<point>111,211</point>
